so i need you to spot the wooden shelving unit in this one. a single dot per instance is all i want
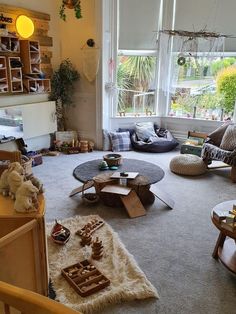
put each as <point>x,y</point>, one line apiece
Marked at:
<point>4,87</point>
<point>15,75</point>
<point>9,44</point>
<point>31,58</point>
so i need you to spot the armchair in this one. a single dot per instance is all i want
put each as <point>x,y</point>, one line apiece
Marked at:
<point>212,150</point>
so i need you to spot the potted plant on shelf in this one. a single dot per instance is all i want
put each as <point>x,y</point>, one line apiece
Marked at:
<point>70,4</point>
<point>62,88</point>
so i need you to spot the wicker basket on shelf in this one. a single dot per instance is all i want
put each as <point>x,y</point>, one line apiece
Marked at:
<point>113,159</point>
<point>89,198</point>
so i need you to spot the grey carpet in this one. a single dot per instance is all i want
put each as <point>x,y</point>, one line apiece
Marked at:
<point>172,247</point>
<point>86,171</point>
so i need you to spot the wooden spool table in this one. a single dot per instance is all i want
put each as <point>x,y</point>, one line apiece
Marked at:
<point>225,249</point>
<point>142,189</point>
<point>23,250</point>
<point>133,195</point>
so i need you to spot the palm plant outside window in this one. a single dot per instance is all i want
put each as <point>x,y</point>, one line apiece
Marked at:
<point>136,84</point>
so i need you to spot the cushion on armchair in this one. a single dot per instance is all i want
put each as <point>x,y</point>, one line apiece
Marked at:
<point>217,135</point>
<point>229,139</point>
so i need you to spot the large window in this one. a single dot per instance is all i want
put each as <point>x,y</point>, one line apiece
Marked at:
<point>203,88</point>
<point>138,23</point>
<point>136,82</point>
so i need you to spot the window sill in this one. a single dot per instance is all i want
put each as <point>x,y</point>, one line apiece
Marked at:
<point>137,117</point>
<point>193,119</point>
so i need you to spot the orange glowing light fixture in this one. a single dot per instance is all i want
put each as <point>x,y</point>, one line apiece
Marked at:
<point>24,26</point>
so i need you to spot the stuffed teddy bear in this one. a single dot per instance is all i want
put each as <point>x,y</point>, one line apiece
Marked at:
<point>14,180</point>
<point>26,198</point>
<point>4,185</point>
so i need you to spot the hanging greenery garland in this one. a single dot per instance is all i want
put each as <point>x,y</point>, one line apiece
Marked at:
<point>70,4</point>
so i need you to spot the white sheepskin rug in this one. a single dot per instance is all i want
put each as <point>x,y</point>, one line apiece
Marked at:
<point>128,282</point>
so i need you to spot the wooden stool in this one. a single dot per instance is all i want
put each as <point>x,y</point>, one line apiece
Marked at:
<point>141,186</point>
<point>100,181</point>
<point>84,146</point>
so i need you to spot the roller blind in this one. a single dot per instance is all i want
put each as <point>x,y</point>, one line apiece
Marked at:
<point>216,15</point>
<point>138,22</point>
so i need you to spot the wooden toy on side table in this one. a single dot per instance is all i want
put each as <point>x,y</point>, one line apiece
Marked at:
<point>97,249</point>
<point>85,278</point>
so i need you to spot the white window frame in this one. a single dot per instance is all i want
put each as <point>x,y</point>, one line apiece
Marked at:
<point>168,103</point>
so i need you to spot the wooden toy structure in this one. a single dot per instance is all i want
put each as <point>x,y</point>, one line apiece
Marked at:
<point>85,278</point>
<point>90,227</point>
<point>97,249</point>
<point>86,239</point>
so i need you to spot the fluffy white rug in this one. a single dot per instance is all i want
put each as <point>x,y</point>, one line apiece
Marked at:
<point>128,282</point>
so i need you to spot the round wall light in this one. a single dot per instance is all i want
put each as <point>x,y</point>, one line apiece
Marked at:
<point>24,26</point>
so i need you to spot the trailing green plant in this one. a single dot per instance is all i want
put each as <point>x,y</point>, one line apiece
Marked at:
<point>62,89</point>
<point>75,4</point>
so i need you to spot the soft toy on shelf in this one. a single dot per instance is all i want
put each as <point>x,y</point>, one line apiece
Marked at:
<point>4,185</point>
<point>14,180</point>
<point>26,198</point>
<point>36,182</point>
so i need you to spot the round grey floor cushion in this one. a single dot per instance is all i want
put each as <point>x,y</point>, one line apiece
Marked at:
<point>187,164</point>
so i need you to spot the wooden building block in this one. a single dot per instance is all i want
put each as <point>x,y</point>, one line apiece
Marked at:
<point>129,175</point>
<point>84,187</point>
<point>133,205</point>
<point>163,196</point>
<point>116,189</point>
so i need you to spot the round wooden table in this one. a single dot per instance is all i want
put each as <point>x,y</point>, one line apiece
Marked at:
<point>90,169</point>
<point>225,249</point>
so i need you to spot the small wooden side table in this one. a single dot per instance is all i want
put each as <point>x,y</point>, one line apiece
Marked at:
<point>225,247</point>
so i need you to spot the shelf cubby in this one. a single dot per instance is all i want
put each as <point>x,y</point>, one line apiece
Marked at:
<point>36,86</point>
<point>30,56</point>
<point>9,44</point>
<point>4,87</point>
<point>15,74</point>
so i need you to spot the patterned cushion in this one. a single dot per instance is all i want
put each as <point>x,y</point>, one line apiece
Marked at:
<point>120,141</point>
<point>229,139</point>
<point>144,130</point>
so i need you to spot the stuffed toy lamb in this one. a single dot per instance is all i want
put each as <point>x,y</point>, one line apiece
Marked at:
<point>14,180</point>
<point>36,182</point>
<point>4,185</point>
<point>26,198</point>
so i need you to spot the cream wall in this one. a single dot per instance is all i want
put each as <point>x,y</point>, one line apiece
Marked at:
<point>68,38</point>
<point>73,35</point>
